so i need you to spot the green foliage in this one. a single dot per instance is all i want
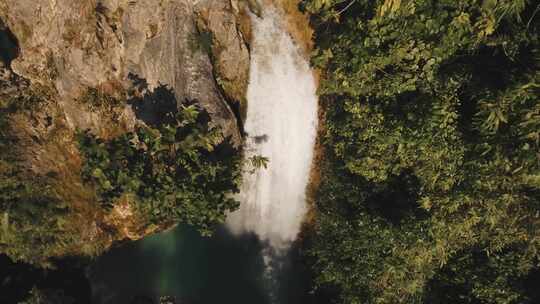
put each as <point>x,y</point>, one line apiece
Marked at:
<point>432,132</point>
<point>258,162</point>
<point>180,170</point>
<point>475,277</point>
<point>177,169</point>
<point>33,218</point>
<point>97,99</point>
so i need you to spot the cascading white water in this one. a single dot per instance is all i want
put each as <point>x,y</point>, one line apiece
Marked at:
<point>281,125</point>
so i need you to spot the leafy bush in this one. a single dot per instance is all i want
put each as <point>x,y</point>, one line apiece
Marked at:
<point>432,132</point>
<point>178,170</point>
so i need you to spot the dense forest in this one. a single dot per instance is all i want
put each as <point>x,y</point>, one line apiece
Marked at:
<point>431,176</point>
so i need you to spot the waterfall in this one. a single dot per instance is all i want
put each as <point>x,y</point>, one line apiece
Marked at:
<point>280,125</point>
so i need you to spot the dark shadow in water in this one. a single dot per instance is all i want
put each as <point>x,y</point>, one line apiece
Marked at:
<point>181,263</point>
<point>17,279</point>
<point>296,276</point>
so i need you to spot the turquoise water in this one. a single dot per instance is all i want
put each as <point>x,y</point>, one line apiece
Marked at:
<point>195,269</point>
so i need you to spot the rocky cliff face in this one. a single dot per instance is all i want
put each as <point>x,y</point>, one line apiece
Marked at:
<point>73,45</point>
<point>69,56</point>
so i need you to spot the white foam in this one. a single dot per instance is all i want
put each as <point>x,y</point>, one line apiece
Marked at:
<point>281,124</point>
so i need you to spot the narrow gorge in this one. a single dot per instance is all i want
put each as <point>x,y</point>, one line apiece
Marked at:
<point>280,127</point>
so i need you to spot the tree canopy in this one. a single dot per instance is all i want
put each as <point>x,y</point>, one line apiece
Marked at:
<point>431,180</point>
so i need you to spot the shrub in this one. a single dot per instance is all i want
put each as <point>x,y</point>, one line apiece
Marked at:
<point>180,170</point>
